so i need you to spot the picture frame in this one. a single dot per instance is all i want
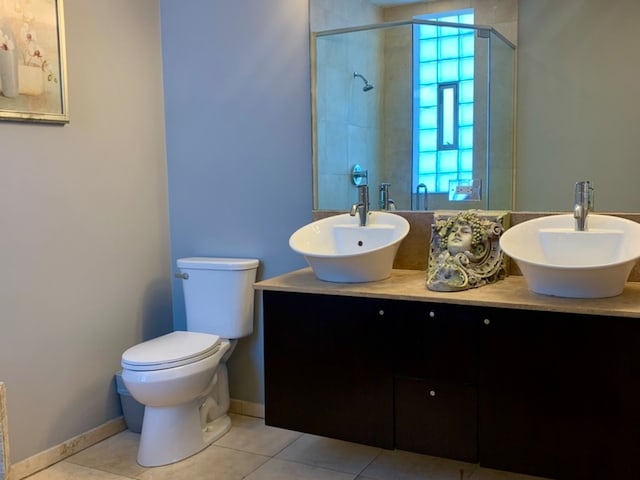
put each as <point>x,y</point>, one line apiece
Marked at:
<point>33,65</point>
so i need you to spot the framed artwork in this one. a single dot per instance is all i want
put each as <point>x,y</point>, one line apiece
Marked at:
<point>33,74</point>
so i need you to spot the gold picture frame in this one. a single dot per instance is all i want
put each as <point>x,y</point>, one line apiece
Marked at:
<point>33,64</point>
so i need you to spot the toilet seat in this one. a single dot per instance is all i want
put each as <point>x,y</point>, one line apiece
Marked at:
<point>171,350</point>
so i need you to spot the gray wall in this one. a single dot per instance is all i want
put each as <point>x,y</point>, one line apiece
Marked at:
<point>84,243</point>
<point>238,121</point>
<point>578,115</point>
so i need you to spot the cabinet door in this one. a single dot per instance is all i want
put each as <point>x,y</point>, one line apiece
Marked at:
<point>328,366</point>
<point>555,395</point>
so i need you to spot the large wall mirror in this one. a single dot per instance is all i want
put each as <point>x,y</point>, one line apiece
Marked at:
<point>577,108</point>
<point>418,99</point>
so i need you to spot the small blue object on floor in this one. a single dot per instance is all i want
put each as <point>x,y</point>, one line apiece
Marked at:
<point>132,410</point>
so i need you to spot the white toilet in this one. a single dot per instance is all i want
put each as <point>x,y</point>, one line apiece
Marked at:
<point>181,377</point>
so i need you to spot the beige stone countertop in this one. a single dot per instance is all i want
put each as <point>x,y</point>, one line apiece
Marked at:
<point>512,292</point>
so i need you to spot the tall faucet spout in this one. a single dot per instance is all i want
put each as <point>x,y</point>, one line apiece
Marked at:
<point>362,207</point>
<point>583,204</point>
<point>385,202</point>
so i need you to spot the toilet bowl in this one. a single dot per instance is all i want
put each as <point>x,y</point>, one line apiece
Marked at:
<point>181,377</point>
<point>181,394</point>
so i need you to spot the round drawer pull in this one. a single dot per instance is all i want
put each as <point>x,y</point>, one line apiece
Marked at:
<point>432,393</point>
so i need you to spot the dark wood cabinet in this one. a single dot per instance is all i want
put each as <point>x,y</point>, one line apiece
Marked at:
<point>328,366</point>
<point>542,393</point>
<point>555,392</point>
<point>435,373</point>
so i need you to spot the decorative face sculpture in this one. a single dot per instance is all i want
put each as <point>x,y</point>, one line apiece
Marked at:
<point>465,251</point>
<point>460,238</point>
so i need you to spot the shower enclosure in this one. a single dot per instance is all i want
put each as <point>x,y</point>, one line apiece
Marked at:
<point>368,83</point>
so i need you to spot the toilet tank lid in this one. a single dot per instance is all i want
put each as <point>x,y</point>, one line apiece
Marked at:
<point>218,263</point>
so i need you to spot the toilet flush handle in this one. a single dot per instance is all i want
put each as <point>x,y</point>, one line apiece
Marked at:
<point>182,276</point>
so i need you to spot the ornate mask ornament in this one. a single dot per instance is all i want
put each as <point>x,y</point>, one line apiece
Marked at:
<point>465,251</point>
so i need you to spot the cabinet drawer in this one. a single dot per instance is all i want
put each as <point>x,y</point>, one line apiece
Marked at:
<point>436,419</point>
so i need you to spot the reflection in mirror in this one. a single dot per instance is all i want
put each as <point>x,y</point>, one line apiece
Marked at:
<point>440,115</point>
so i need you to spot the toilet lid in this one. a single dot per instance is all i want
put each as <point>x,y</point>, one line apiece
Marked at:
<point>171,350</point>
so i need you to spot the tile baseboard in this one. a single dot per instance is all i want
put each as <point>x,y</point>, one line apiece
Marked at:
<point>59,452</point>
<point>250,409</point>
<point>42,460</point>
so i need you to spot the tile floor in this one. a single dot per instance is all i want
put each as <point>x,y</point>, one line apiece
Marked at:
<point>253,451</point>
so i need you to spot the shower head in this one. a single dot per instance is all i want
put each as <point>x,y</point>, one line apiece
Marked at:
<point>367,86</point>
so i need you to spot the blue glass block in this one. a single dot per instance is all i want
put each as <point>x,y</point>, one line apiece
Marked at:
<point>465,114</point>
<point>429,95</point>
<point>465,91</point>
<point>447,161</point>
<point>449,19</point>
<point>429,72</point>
<point>443,181</point>
<point>428,139</point>
<point>465,175</point>
<point>465,139</point>
<point>429,181</point>
<point>428,31</point>
<point>428,50</point>
<point>428,117</point>
<point>466,160</point>
<point>427,163</point>
<point>448,47</point>
<point>448,71</point>
<point>467,45</point>
<point>448,31</point>
<point>466,18</point>
<point>466,68</point>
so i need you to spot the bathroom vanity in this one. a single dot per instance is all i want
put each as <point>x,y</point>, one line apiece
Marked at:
<point>496,375</point>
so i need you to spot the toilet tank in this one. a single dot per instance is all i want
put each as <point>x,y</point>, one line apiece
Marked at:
<point>218,294</point>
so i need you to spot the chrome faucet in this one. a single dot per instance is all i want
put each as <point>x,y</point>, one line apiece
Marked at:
<point>583,204</point>
<point>422,197</point>
<point>362,207</point>
<point>385,202</point>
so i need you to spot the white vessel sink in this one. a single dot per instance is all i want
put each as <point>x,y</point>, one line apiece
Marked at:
<point>557,260</point>
<point>338,249</point>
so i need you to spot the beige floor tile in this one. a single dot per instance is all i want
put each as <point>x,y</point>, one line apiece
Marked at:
<point>276,469</point>
<point>250,434</point>
<point>116,454</point>
<point>213,462</point>
<point>399,465</point>
<point>328,453</point>
<point>70,471</point>
<point>246,451</point>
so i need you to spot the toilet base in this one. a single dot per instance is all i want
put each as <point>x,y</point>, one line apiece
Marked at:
<point>171,434</point>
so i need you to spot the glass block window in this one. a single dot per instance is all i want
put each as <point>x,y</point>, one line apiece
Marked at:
<point>443,105</point>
